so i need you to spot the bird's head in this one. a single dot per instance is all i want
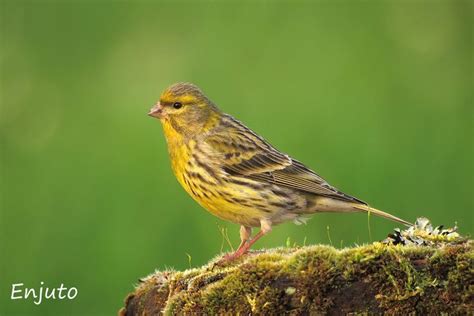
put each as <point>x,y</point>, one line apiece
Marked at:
<point>185,107</point>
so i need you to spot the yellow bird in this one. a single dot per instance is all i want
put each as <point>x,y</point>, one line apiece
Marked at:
<point>237,175</point>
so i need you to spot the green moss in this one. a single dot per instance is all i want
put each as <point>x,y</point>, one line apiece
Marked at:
<point>374,278</point>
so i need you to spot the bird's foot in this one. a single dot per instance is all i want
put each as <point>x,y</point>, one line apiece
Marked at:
<point>230,257</point>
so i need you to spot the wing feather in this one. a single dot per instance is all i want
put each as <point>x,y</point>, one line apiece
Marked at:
<point>245,154</point>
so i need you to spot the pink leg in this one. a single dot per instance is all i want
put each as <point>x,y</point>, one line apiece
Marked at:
<point>245,234</point>
<point>265,228</point>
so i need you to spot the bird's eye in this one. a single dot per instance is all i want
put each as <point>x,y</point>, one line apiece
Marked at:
<point>177,105</point>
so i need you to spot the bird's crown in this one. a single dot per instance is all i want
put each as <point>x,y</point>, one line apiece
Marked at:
<point>185,92</point>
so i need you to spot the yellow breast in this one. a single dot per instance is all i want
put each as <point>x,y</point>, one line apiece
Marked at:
<point>207,184</point>
<point>209,189</point>
<point>178,150</point>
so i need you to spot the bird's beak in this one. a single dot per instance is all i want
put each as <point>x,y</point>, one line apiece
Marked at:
<point>156,111</point>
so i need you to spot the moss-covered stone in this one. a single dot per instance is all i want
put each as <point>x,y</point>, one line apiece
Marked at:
<point>370,279</point>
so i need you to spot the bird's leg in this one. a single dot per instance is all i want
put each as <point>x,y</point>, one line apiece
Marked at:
<point>245,234</point>
<point>265,228</point>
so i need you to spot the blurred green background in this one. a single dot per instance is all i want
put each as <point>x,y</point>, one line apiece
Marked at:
<point>375,96</point>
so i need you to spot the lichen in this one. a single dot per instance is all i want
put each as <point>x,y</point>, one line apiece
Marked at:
<point>422,233</point>
<point>375,278</point>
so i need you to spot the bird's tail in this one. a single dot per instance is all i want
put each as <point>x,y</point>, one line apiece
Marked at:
<point>329,204</point>
<point>380,213</point>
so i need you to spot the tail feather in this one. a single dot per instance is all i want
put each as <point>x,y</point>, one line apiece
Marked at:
<point>380,213</point>
<point>328,204</point>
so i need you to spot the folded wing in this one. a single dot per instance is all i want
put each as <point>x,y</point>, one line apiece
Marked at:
<point>245,154</point>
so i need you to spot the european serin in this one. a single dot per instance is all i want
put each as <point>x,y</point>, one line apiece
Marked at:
<point>237,175</point>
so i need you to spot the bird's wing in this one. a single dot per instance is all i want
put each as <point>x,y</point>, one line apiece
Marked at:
<point>243,153</point>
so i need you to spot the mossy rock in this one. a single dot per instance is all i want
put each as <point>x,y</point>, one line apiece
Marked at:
<point>371,279</point>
